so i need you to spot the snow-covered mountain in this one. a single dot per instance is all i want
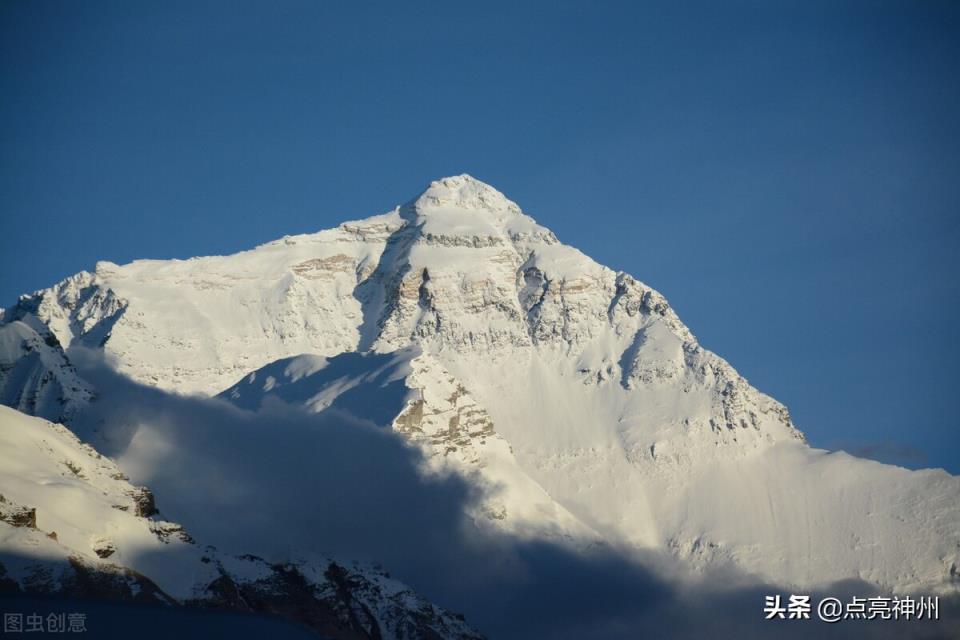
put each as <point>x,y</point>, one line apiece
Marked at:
<point>71,524</point>
<point>571,394</point>
<point>35,375</point>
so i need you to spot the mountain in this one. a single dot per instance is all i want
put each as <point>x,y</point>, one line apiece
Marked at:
<point>35,375</point>
<point>571,395</point>
<point>71,524</point>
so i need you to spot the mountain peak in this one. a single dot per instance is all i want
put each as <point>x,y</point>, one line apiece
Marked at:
<point>569,398</point>
<point>463,192</point>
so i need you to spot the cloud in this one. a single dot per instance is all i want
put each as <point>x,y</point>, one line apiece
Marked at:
<point>284,483</point>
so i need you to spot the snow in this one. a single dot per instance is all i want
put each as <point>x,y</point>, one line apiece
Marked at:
<point>83,504</point>
<point>83,498</point>
<point>594,414</point>
<point>35,376</point>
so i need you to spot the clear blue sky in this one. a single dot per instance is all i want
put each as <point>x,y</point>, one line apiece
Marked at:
<point>787,173</point>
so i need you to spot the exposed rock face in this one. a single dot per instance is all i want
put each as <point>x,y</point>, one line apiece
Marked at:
<point>144,502</point>
<point>441,413</point>
<point>17,515</point>
<point>107,548</point>
<point>335,600</point>
<point>75,576</point>
<point>103,547</point>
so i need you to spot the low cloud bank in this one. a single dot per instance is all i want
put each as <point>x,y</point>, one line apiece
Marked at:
<point>284,483</point>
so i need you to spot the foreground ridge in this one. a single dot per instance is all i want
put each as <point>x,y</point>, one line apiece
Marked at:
<point>120,549</point>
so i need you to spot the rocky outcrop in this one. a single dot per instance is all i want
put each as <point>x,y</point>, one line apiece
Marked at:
<point>17,515</point>
<point>144,503</point>
<point>334,599</point>
<point>349,602</point>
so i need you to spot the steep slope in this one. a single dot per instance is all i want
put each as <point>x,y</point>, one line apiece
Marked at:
<point>411,393</point>
<point>35,375</point>
<point>785,512</point>
<point>71,524</point>
<point>611,411</point>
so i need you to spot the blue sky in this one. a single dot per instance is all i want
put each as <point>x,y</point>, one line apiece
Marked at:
<point>786,173</point>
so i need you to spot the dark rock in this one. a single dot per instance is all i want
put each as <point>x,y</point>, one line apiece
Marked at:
<point>17,515</point>
<point>104,548</point>
<point>144,502</point>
